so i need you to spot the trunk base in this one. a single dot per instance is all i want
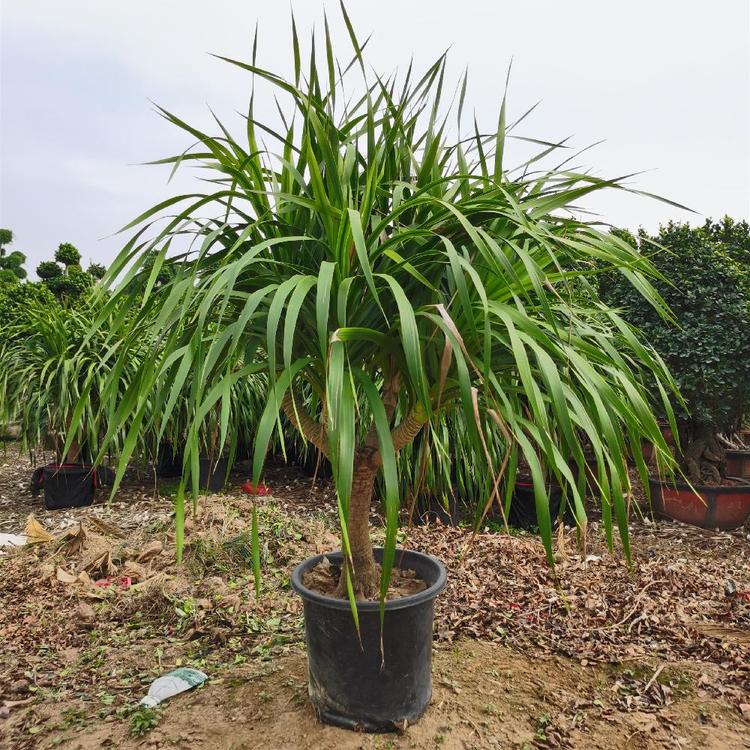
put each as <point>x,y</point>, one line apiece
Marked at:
<point>366,583</point>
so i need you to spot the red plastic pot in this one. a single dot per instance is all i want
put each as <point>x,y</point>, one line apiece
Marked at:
<point>738,464</point>
<point>647,447</point>
<point>713,507</point>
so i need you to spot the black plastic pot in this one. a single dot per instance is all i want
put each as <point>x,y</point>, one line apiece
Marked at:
<point>213,474</point>
<point>169,461</point>
<point>431,510</point>
<point>522,512</point>
<point>352,685</point>
<point>65,485</point>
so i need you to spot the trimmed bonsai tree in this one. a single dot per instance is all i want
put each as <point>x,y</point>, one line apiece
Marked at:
<point>64,276</point>
<point>11,264</point>
<point>96,271</point>
<point>383,266</point>
<point>6,238</point>
<point>68,255</point>
<point>49,269</point>
<point>707,288</point>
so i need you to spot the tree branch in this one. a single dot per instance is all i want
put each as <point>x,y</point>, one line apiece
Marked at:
<point>311,430</point>
<point>390,401</point>
<point>409,427</point>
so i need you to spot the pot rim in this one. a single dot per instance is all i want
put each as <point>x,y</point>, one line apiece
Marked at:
<point>709,488</point>
<point>431,592</point>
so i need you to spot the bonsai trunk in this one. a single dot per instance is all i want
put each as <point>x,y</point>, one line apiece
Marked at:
<point>367,462</point>
<point>703,456</point>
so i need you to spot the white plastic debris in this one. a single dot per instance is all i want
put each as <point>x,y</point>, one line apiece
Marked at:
<point>12,540</point>
<point>171,684</point>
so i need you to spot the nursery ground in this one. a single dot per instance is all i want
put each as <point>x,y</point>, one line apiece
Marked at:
<point>595,655</point>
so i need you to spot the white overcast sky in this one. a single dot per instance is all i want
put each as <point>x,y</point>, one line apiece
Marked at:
<point>665,82</point>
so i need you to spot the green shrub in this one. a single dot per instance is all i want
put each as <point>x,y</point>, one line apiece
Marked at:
<point>48,269</point>
<point>7,277</point>
<point>708,351</point>
<point>52,358</point>
<point>96,270</point>
<point>11,266</point>
<point>19,302</point>
<point>68,254</point>
<point>70,287</point>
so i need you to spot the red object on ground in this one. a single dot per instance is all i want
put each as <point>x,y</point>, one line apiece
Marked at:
<point>720,507</point>
<point>124,583</point>
<point>259,490</point>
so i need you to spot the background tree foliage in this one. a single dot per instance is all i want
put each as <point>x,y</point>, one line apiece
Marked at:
<point>706,283</point>
<point>17,304</point>
<point>64,276</point>
<point>11,264</point>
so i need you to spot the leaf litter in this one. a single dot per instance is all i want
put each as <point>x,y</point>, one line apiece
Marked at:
<point>660,631</point>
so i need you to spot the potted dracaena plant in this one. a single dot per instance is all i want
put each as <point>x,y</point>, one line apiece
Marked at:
<point>382,273</point>
<point>49,356</point>
<point>706,284</point>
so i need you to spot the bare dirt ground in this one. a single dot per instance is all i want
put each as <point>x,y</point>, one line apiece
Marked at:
<point>594,655</point>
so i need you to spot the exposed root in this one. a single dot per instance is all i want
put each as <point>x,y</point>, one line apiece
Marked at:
<point>704,456</point>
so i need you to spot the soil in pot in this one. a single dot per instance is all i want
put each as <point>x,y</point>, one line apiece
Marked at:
<point>725,506</point>
<point>379,679</point>
<point>324,579</point>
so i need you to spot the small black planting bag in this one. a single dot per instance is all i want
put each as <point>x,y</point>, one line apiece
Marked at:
<point>65,485</point>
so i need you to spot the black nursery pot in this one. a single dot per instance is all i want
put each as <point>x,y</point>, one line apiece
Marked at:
<point>169,462</point>
<point>350,684</point>
<point>213,474</point>
<point>68,485</point>
<point>522,512</point>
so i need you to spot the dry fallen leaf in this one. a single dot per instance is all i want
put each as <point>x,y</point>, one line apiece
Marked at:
<point>105,528</point>
<point>85,578</point>
<point>134,570</point>
<point>73,541</point>
<point>230,601</point>
<point>35,532</point>
<point>151,550</point>
<point>64,577</point>
<point>101,566</point>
